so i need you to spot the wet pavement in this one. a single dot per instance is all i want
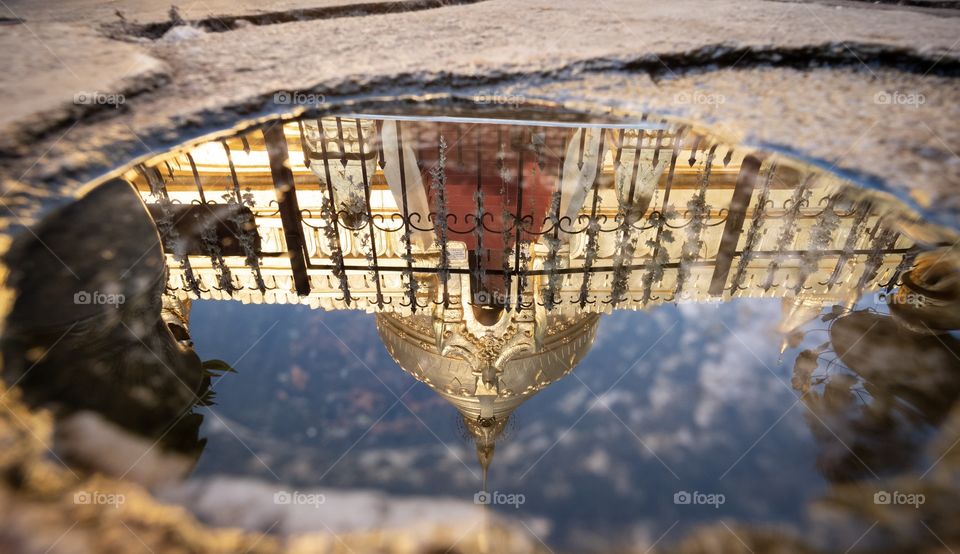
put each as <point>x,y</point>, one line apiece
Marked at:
<point>515,331</point>
<point>560,278</point>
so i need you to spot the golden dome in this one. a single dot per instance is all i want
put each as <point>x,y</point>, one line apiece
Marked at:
<point>486,369</point>
<point>457,374</point>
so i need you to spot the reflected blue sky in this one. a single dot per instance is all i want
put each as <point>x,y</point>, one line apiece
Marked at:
<point>679,398</point>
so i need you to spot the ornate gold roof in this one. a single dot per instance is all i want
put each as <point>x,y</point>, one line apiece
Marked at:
<point>457,374</point>
<point>487,371</point>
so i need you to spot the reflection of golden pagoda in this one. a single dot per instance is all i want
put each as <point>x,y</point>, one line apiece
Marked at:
<point>487,366</point>
<point>488,251</point>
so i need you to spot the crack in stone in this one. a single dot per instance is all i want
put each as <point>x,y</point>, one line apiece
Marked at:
<point>937,8</point>
<point>948,4</point>
<point>822,56</point>
<point>34,130</point>
<point>221,24</point>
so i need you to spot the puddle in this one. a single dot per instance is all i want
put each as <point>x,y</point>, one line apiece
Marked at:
<point>594,335</point>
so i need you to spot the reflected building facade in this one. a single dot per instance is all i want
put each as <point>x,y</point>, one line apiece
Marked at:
<point>488,250</point>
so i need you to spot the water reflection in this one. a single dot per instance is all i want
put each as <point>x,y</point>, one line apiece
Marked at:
<point>86,334</point>
<point>487,252</point>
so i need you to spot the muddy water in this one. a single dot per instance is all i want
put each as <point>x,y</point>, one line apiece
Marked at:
<point>535,334</point>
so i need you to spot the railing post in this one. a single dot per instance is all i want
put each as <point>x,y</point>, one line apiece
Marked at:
<point>742,194</point>
<point>286,191</point>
